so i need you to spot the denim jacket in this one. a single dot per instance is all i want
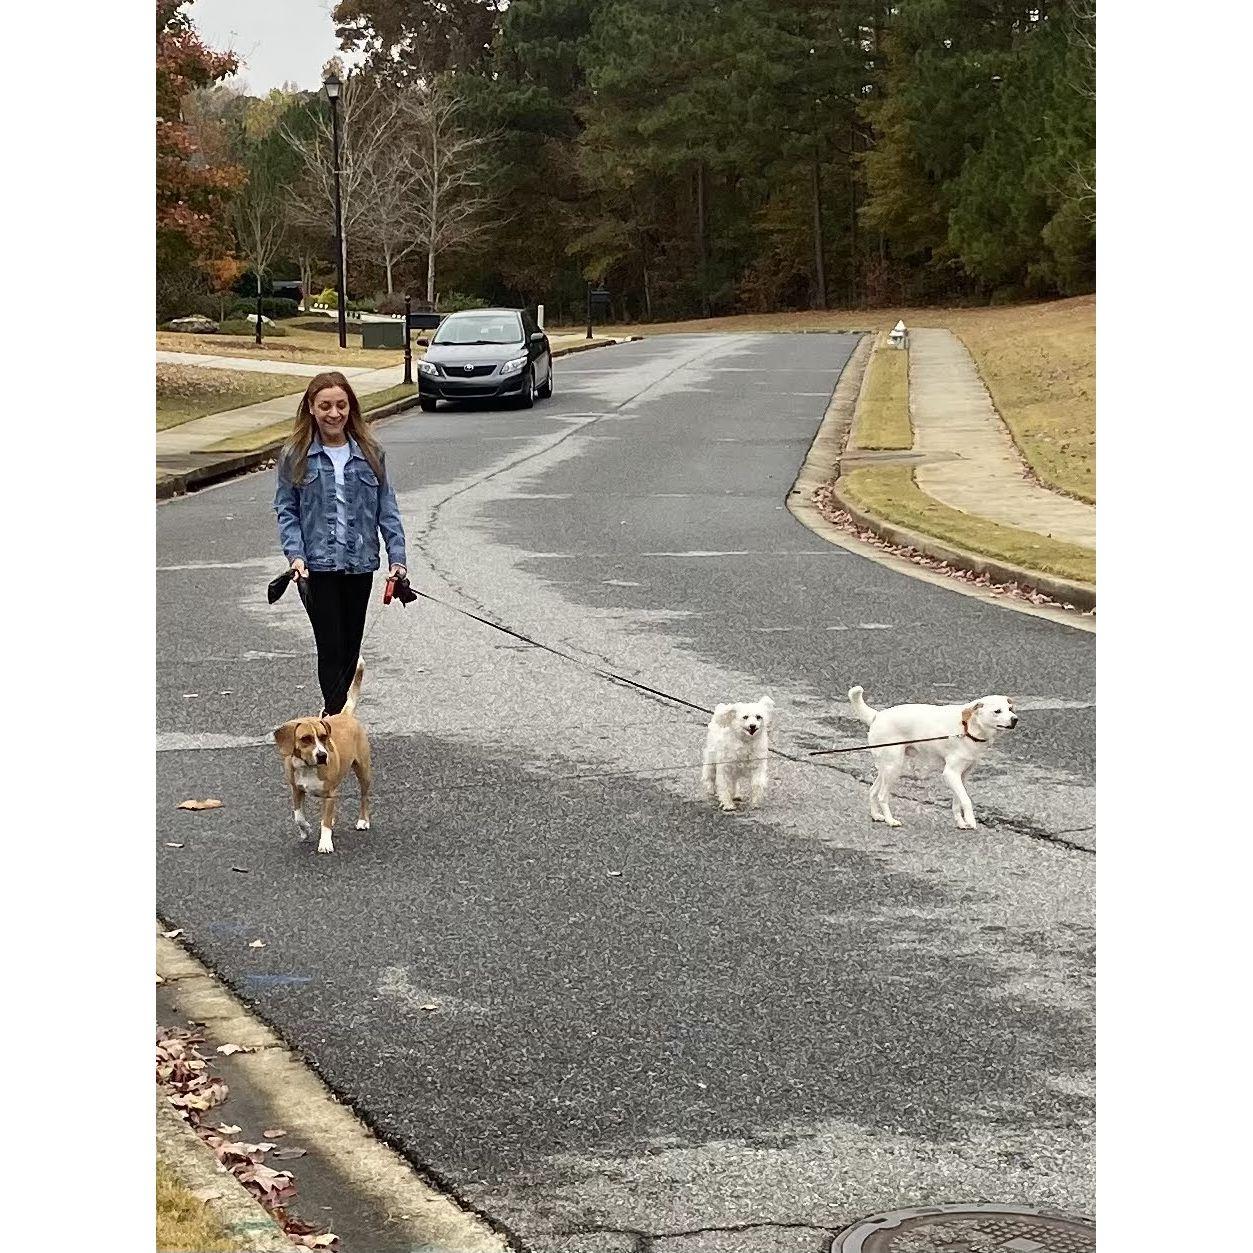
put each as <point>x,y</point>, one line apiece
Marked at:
<point>306,514</point>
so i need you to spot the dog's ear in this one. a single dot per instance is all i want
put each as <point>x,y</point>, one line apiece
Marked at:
<point>969,712</point>
<point>768,705</point>
<point>285,737</point>
<point>724,715</point>
<point>326,729</point>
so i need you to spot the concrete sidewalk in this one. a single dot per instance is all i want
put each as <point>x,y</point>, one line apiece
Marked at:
<point>971,462</point>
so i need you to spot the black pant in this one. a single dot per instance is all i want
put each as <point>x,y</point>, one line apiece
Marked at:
<point>336,604</point>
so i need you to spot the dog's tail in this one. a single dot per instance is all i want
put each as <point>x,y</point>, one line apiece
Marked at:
<point>860,708</point>
<point>355,690</point>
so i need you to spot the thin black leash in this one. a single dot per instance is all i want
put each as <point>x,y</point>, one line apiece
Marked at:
<point>644,687</point>
<point>611,676</point>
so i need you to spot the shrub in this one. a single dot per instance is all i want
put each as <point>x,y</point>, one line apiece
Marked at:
<point>241,326</point>
<point>271,307</point>
<point>329,296</point>
<point>392,302</point>
<point>454,302</point>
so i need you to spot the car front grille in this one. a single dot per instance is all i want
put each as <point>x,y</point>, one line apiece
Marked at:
<point>461,372</point>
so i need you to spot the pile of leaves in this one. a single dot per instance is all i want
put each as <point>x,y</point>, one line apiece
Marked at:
<point>830,510</point>
<point>193,1091</point>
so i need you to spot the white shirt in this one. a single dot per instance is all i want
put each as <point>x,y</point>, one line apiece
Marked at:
<point>339,459</point>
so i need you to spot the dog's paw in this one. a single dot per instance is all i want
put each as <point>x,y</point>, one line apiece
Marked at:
<point>727,807</point>
<point>325,845</point>
<point>363,824</point>
<point>892,822</point>
<point>302,824</point>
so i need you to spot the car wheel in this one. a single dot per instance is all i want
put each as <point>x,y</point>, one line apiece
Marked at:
<point>546,387</point>
<point>527,399</point>
<point>428,406</point>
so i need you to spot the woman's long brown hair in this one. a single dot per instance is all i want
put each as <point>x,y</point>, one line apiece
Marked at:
<point>296,450</point>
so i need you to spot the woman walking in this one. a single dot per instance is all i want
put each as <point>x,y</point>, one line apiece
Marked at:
<point>332,501</point>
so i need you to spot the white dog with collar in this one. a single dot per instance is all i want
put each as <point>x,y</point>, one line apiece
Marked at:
<point>959,734</point>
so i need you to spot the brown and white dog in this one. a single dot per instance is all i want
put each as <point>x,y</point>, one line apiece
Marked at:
<point>317,755</point>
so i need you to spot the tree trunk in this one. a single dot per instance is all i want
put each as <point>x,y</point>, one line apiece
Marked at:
<point>433,220</point>
<point>700,236</point>
<point>852,215</point>
<point>387,265</point>
<point>820,275</point>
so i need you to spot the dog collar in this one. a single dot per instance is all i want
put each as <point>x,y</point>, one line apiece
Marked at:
<point>966,732</point>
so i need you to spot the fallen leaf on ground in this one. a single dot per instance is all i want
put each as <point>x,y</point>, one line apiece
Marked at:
<point>210,803</point>
<point>173,935</point>
<point>189,695</point>
<point>257,944</point>
<point>207,1194</point>
<point>228,1050</point>
<point>159,979</point>
<point>240,869</point>
<point>274,1133</point>
<point>614,874</point>
<point>432,1005</point>
<point>228,1129</point>
<point>283,1155</point>
<point>171,844</point>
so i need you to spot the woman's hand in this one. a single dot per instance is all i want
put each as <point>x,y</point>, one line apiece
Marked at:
<point>299,566</point>
<point>395,570</point>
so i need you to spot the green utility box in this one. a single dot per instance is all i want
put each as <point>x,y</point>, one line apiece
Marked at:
<point>383,334</point>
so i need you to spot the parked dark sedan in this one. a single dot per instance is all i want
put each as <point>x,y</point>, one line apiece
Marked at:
<point>482,354</point>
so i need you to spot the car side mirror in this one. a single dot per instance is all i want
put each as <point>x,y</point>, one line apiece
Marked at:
<point>536,335</point>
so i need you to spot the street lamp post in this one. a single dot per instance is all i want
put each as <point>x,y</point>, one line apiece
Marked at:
<point>332,84</point>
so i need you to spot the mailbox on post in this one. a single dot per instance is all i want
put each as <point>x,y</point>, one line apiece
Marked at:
<point>597,298</point>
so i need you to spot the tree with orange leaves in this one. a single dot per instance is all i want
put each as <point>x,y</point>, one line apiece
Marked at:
<point>193,227</point>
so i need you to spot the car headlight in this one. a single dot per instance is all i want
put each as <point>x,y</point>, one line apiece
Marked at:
<point>427,367</point>
<point>512,367</point>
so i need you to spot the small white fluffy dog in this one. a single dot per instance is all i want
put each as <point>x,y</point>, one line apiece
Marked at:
<point>969,730</point>
<point>737,744</point>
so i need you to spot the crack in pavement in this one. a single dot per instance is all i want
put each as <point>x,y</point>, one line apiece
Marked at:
<point>646,1241</point>
<point>423,537</point>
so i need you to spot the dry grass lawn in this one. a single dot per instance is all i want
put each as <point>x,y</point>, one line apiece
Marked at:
<point>883,410</point>
<point>300,344</point>
<point>185,392</point>
<point>266,435</point>
<point>185,1223</point>
<point>1038,361</point>
<point>891,493</point>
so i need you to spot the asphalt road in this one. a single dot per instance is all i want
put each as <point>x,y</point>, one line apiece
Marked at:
<point>657,1026</point>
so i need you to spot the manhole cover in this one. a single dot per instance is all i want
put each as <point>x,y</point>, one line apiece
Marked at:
<point>967,1229</point>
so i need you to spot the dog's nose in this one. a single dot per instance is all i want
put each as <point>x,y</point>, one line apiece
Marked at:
<point>752,730</point>
<point>320,758</point>
<point>1013,721</point>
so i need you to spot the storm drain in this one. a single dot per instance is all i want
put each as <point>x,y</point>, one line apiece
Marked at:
<point>967,1229</point>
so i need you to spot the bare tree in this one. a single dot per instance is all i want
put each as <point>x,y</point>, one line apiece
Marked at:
<point>450,168</point>
<point>368,117</point>
<point>259,213</point>
<point>392,191</point>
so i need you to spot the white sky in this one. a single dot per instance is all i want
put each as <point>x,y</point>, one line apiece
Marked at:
<point>277,41</point>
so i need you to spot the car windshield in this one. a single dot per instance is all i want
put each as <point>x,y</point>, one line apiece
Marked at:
<point>482,328</point>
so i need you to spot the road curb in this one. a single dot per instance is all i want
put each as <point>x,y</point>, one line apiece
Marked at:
<point>300,1101</point>
<point>233,1207</point>
<point>1080,595</point>
<point>822,462</point>
<point>171,483</point>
